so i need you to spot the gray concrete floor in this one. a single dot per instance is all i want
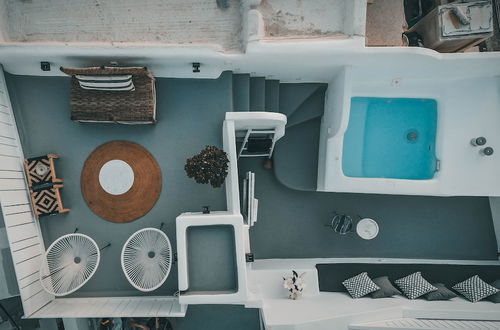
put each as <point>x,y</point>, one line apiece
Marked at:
<point>190,116</point>
<point>292,224</point>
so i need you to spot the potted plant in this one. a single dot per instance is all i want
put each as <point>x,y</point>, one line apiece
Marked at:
<point>294,285</point>
<point>209,166</point>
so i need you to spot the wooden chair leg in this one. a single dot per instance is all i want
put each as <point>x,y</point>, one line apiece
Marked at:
<point>59,200</point>
<point>51,158</point>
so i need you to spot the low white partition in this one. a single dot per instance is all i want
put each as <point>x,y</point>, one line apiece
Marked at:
<point>216,218</point>
<point>232,185</point>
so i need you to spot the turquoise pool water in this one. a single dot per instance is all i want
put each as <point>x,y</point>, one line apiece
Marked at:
<point>390,138</point>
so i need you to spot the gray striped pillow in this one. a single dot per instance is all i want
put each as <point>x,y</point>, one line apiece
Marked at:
<point>117,83</point>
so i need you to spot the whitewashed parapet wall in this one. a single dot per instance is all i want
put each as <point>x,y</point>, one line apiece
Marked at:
<point>23,231</point>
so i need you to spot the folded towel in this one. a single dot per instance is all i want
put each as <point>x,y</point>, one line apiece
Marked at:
<point>106,82</point>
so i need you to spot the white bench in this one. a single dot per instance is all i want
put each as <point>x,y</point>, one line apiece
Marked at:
<point>337,310</point>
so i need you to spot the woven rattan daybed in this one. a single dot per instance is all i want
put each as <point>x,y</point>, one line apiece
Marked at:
<point>125,107</point>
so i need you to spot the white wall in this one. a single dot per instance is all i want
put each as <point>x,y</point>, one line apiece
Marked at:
<point>231,184</point>
<point>289,61</point>
<point>337,105</point>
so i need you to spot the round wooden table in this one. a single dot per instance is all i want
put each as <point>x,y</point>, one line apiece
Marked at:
<point>109,187</point>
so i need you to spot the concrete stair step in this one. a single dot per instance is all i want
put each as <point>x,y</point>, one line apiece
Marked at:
<point>257,94</point>
<point>272,95</point>
<point>312,107</point>
<point>291,96</point>
<point>241,92</point>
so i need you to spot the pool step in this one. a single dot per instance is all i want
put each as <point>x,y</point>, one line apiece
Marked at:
<point>257,94</point>
<point>241,92</point>
<point>311,108</point>
<point>273,95</point>
<point>293,95</point>
<point>296,156</point>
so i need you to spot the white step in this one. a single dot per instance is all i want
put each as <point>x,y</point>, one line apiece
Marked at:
<point>426,324</point>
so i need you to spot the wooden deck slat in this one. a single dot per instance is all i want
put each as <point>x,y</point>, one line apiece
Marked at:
<point>10,164</point>
<point>27,280</point>
<point>11,174</point>
<point>8,141</point>
<point>15,209</point>
<point>4,115</point>
<point>14,246</point>
<point>26,254</point>
<point>29,291</point>
<point>28,267</point>
<point>6,130</point>
<point>22,232</point>
<point>8,150</point>
<point>18,219</point>
<point>36,302</point>
<point>11,198</point>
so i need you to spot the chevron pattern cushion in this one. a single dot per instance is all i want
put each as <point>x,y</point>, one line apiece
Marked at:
<point>475,289</point>
<point>414,285</point>
<point>45,201</point>
<point>39,170</point>
<point>360,285</point>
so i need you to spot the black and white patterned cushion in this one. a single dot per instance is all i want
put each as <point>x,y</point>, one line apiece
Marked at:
<point>414,285</point>
<point>360,285</point>
<point>475,289</point>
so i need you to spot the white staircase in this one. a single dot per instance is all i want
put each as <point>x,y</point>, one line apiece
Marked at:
<point>426,324</point>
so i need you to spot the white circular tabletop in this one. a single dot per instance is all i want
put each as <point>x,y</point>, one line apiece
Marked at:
<point>116,177</point>
<point>367,228</point>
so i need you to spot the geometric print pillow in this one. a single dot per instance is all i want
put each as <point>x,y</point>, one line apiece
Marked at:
<point>414,285</point>
<point>360,285</point>
<point>475,288</point>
